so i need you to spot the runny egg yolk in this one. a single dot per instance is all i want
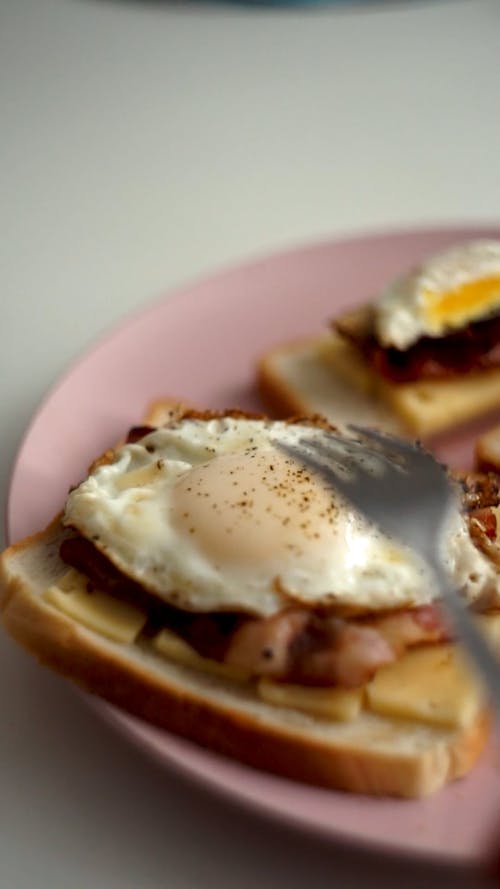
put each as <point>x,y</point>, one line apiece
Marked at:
<point>255,506</point>
<point>445,293</point>
<point>462,304</point>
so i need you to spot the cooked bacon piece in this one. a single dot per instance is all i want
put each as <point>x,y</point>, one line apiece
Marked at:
<point>413,626</point>
<point>299,646</point>
<point>476,347</point>
<point>81,554</point>
<point>209,634</point>
<point>479,490</point>
<point>348,654</point>
<point>302,647</point>
<point>262,645</point>
<point>484,519</point>
<point>483,530</point>
<point>480,495</point>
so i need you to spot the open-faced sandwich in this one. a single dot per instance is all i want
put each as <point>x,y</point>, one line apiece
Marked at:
<point>421,358</point>
<point>202,580</point>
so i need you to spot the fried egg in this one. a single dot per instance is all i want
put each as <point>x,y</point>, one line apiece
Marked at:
<point>209,515</point>
<point>447,292</point>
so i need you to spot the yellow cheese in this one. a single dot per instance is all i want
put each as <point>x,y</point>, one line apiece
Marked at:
<point>341,704</point>
<point>171,645</point>
<point>431,684</point>
<point>106,615</point>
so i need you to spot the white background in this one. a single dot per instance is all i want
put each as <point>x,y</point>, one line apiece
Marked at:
<point>143,145</point>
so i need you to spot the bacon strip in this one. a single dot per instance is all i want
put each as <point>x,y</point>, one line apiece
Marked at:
<point>479,490</point>
<point>483,530</point>
<point>298,646</point>
<point>475,347</point>
<point>486,520</point>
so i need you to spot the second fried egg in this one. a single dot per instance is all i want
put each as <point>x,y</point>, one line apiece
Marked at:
<point>445,293</point>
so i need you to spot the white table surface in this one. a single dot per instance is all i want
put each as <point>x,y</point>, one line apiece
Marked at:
<point>143,145</point>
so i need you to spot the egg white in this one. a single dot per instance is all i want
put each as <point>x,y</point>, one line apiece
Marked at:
<point>431,300</point>
<point>210,516</point>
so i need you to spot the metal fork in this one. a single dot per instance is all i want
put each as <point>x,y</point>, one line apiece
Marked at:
<point>401,488</point>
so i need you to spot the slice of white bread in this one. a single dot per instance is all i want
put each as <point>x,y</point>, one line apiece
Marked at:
<point>372,753</point>
<point>327,375</point>
<point>487,451</point>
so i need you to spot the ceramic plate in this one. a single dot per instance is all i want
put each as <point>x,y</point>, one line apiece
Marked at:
<point>200,344</point>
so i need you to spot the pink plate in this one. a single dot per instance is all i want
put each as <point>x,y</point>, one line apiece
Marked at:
<point>200,345</point>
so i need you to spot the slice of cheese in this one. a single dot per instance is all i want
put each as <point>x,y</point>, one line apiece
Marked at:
<point>432,684</point>
<point>98,611</point>
<point>171,645</point>
<point>341,704</point>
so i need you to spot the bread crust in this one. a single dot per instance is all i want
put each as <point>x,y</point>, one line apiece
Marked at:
<point>172,702</point>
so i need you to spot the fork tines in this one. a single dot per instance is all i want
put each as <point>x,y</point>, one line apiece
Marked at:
<point>368,453</point>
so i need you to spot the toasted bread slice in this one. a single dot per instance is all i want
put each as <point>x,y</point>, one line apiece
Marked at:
<point>372,753</point>
<point>327,374</point>
<point>487,451</point>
